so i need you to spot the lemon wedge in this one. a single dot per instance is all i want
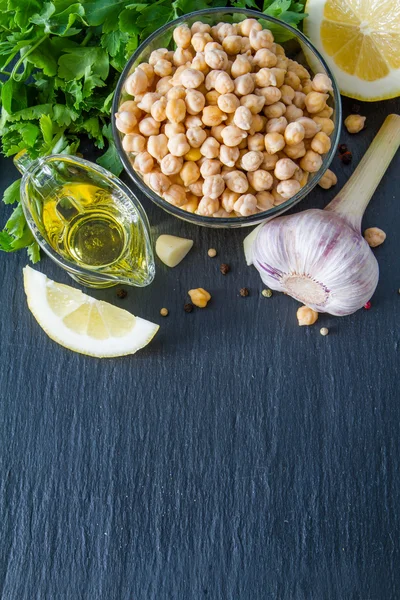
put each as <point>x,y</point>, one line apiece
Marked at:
<point>360,40</point>
<point>81,323</point>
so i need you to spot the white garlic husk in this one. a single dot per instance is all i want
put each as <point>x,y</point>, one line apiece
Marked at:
<point>317,258</point>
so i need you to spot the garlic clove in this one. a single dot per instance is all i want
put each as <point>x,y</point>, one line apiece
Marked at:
<point>171,250</point>
<point>248,244</point>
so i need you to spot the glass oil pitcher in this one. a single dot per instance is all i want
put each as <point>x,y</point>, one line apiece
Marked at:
<point>86,220</point>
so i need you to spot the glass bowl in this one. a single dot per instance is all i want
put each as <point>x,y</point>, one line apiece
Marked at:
<point>298,48</point>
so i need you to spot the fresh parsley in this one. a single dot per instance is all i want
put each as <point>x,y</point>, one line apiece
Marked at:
<point>59,66</point>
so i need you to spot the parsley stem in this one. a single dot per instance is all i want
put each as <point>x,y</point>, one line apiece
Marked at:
<point>5,72</point>
<point>23,57</point>
<point>87,37</point>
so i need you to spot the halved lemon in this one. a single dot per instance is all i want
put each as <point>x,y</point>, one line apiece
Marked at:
<point>360,40</point>
<point>81,323</point>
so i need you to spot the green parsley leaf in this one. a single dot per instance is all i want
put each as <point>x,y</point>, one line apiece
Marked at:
<point>110,159</point>
<point>11,194</point>
<point>34,252</point>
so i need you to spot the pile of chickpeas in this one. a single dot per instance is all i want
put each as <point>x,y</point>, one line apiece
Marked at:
<point>225,125</point>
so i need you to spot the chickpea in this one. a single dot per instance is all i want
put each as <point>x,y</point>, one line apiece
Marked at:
<point>144,162</point>
<point>226,30</point>
<point>181,58</point>
<point>197,188</point>
<point>149,71</point>
<point>241,66</point>
<point>265,200</point>
<point>311,128</point>
<point>212,115</point>
<point>182,36</point>
<point>271,94</point>
<point>178,145</point>
<point>287,94</point>
<point>228,103</point>
<point>191,78</point>
<point>374,236</point>
<point>171,165</point>
<point>194,155</point>
<point>157,146</point>
<point>232,135</point>
<point>213,186</point>
<point>199,27</point>
<point>244,85</point>
<point>228,199</point>
<point>191,203</point>
<point>326,125</point>
<point>299,100</point>
<point>193,121</point>
<point>132,107</point>
<point>265,77</point>
<point>260,180</point>
<point>232,44</point>
<point>211,79</point>
<point>199,41</point>
<point>236,181</point>
<point>246,205</point>
<point>321,143</point>
<point>216,59</point>
<point>354,123</point>
<point>196,136</point>
<point>278,125</point>
<point>279,75</point>
<point>137,83</point>
<point>228,156</point>
<point>261,39</point>
<point>256,142</point>
<point>243,118</point>
<point>322,83</point>
<point>149,126</point>
<point>247,25</point>
<point>171,129</point>
<point>294,133</point>
<point>282,62</point>
<point>315,102</point>
<point>307,87</point>
<point>293,113</point>
<point>163,67</point>
<point>269,161</point>
<point>297,68</point>
<point>252,160</point>
<point>274,111</point>
<point>288,188</point>
<point>285,168</point>
<point>212,98</point>
<point>327,180</point>
<point>253,102</point>
<point>210,148</point>
<point>158,109</point>
<point>258,124</point>
<point>264,58</point>
<point>176,195</point>
<point>158,182</point>
<point>133,142</point>
<point>295,151</point>
<point>243,144</point>
<point>156,55</point>
<point>293,81</point>
<point>278,199</point>
<point>212,46</point>
<point>125,121</point>
<point>223,83</point>
<point>216,133</point>
<point>246,48</point>
<point>176,110</point>
<point>200,64</point>
<point>148,100</point>
<point>190,173</point>
<point>164,85</point>
<point>327,112</point>
<point>194,102</point>
<point>274,142</point>
<point>311,162</point>
<point>207,206</point>
<point>210,167</point>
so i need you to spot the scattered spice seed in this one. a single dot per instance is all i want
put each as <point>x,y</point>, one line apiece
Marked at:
<point>367,305</point>
<point>224,269</point>
<point>122,294</point>
<point>244,292</point>
<point>164,312</point>
<point>267,293</point>
<point>324,331</point>
<point>212,252</point>
<point>342,148</point>
<point>346,158</point>
<point>188,307</point>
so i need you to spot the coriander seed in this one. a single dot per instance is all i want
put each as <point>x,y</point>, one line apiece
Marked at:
<point>212,252</point>
<point>267,293</point>
<point>324,331</point>
<point>164,312</point>
<point>244,292</point>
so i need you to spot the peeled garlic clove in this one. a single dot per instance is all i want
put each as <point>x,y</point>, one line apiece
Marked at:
<point>171,250</point>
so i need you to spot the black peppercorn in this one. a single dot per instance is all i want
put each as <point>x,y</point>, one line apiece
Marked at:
<point>346,158</point>
<point>244,292</point>
<point>342,148</point>
<point>188,307</point>
<point>122,294</point>
<point>224,269</point>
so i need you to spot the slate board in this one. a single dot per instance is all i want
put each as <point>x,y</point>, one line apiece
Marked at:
<point>238,457</point>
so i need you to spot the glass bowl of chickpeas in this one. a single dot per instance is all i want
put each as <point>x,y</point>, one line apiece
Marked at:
<point>221,125</point>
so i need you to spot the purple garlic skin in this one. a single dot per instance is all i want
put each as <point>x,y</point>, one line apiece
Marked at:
<point>317,258</point>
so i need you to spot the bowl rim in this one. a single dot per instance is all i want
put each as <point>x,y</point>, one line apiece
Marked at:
<point>226,221</point>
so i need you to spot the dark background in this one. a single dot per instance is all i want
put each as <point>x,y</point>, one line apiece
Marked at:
<point>237,457</point>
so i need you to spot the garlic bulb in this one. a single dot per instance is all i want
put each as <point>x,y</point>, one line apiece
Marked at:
<point>319,257</point>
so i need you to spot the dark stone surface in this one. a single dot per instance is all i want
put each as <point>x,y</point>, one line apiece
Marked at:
<point>238,457</point>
